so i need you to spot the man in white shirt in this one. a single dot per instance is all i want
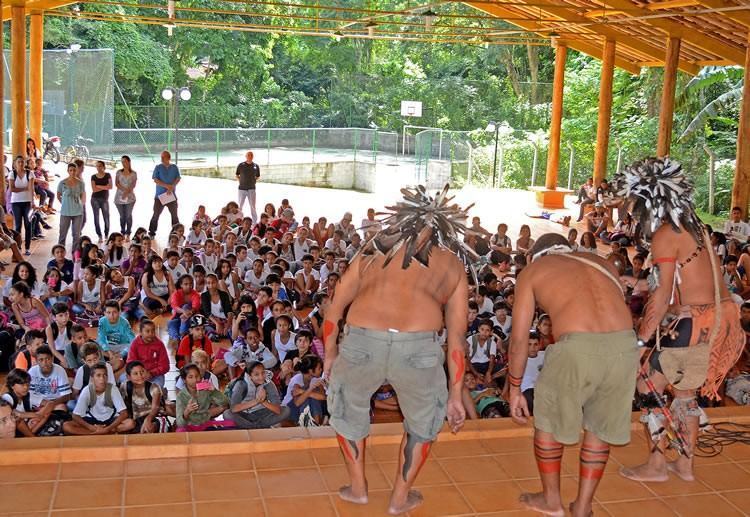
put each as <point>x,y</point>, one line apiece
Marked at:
<point>346,227</point>
<point>533,367</point>
<point>337,244</point>
<point>370,225</point>
<point>736,228</point>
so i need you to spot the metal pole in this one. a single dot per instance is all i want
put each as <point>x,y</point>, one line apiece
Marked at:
<point>494,158</point>
<point>501,166</point>
<point>711,178</point>
<point>570,165</point>
<point>217,150</point>
<point>268,147</point>
<point>176,128</point>
<point>313,145</point>
<point>440,146</point>
<point>619,155</point>
<point>533,165</point>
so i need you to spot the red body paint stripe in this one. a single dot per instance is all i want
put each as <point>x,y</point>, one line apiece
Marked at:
<point>588,473</point>
<point>458,359</point>
<point>548,467</point>
<point>328,328</point>
<point>345,447</point>
<point>425,451</point>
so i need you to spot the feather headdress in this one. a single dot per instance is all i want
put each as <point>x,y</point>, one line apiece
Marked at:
<point>659,192</point>
<point>418,223</point>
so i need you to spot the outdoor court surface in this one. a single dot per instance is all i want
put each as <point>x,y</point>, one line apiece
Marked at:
<point>288,471</point>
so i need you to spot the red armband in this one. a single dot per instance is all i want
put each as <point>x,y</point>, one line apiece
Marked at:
<point>514,381</point>
<point>661,260</point>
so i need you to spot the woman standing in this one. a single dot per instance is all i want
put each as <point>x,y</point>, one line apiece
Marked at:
<point>72,196</point>
<point>125,180</point>
<point>101,184</point>
<point>22,199</point>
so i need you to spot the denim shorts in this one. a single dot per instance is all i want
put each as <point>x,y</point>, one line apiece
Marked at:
<point>411,362</point>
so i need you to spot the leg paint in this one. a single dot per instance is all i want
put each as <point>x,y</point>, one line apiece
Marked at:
<point>548,455</point>
<point>415,453</point>
<point>593,460</point>
<point>348,447</point>
<point>414,456</point>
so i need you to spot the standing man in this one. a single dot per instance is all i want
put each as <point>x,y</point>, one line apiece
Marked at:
<point>166,176</point>
<point>248,173</point>
<point>413,264</point>
<point>588,377</point>
<point>702,336</point>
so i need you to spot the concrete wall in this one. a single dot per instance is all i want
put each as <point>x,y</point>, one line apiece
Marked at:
<point>342,175</point>
<point>438,174</point>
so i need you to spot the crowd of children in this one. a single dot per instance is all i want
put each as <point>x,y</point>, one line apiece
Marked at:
<point>243,305</point>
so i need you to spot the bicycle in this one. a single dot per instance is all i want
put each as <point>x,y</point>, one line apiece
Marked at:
<point>51,148</point>
<point>79,149</point>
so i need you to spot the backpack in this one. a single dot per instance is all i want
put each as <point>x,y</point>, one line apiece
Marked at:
<point>129,398</point>
<point>26,353</point>
<point>56,330</point>
<point>25,401</point>
<point>475,346</point>
<point>233,384</point>
<point>107,398</point>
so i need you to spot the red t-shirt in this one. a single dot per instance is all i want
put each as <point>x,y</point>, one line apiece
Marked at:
<point>185,350</point>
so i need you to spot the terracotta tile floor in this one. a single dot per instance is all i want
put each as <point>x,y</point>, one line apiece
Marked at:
<point>484,480</point>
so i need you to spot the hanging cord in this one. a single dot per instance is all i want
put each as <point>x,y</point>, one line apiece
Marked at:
<point>135,123</point>
<point>711,442</point>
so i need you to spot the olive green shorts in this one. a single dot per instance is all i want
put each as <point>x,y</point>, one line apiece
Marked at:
<point>588,380</point>
<point>411,362</point>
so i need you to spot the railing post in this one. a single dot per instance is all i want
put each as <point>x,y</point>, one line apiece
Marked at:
<point>570,165</point>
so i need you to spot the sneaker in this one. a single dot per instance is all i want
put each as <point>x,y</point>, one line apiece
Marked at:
<point>46,226</point>
<point>27,252</point>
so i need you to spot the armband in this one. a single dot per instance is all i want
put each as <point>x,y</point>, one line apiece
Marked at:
<point>514,381</point>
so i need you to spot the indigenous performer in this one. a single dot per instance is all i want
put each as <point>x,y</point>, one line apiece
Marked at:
<point>407,283</point>
<point>588,377</point>
<point>697,325</point>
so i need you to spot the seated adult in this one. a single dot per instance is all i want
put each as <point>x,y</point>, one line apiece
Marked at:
<point>586,196</point>
<point>736,228</point>
<point>597,220</point>
<point>282,224</point>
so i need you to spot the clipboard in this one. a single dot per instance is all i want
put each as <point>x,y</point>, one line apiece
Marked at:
<point>167,197</point>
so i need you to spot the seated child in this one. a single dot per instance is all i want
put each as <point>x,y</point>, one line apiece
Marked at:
<point>91,355</point>
<point>303,348</point>
<point>63,341</point>
<point>386,399</point>
<point>255,402</point>
<point>482,349</point>
<point>533,367</point>
<point>487,403</point>
<point>306,390</point>
<point>149,350</point>
<point>195,340</point>
<point>200,359</point>
<point>100,408</point>
<point>114,335</point>
<point>199,403</point>
<point>8,427</point>
<point>17,383</point>
<point>246,350</point>
<point>282,338</point>
<point>143,401</point>
<point>49,392</point>
<point>26,357</point>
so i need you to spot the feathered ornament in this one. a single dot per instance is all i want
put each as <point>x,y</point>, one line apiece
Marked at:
<point>658,191</point>
<point>418,223</point>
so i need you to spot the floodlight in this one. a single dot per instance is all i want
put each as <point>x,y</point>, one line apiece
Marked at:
<point>167,94</point>
<point>185,94</point>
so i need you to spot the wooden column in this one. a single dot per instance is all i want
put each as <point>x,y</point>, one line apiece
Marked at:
<point>18,77</point>
<point>36,92</point>
<point>741,186</point>
<point>666,110</point>
<point>553,155</point>
<point>605,112</point>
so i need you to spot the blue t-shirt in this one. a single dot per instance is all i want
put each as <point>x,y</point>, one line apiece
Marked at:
<point>164,174</point>
<point>115,338</point>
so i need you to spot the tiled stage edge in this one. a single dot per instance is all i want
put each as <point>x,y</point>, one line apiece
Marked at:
<point>75,449</point>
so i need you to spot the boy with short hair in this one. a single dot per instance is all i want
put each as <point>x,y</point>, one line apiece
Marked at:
<point>150,351</point>
<point>49,391</point>
<point>481,351</point>
<point>248,349</point>
<point>142,400</point>
<point>61,262</point>
<point>114,334</point>
<point>173,266</point>
<point>244,264</point>
<point>210,258</point>
<point>533,367</point>
<point>501,321</point>
<point>328,267</point>
<point>91,354</point>
<point>99,409</point>
<point>277,290</point>
<point>255,277</point>
<point>26,357</point>
<point>189,260</point>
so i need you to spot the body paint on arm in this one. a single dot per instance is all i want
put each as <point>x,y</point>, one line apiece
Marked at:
<point>458,359</point>
<point>329,328</point>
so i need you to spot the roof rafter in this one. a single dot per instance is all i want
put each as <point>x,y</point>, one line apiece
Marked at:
<point>688,34</point>
<point>742,17</point>
<point>586,48</point>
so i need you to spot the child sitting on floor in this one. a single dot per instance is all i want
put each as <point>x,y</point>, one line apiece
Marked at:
<point>91,355</point>
<point>199,403</point>
<point>100,408</point>
<point>203,362</point>
<point>306,390</point>
<point>142,400</point>
<point>114,335</point>
<point>246,350</point>
<point>255,402</point>
<point>149,350</point>
<point>195,340</point>
<point>17,384</point>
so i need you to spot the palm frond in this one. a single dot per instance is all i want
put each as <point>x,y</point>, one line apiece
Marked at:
<point>712,109</point>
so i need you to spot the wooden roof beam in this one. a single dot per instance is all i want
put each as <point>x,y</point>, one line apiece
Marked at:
<point>688,34</point>
<point>671,4</point>
<point>591,49</point>
<point>553,8</point>
<point>742,17</point>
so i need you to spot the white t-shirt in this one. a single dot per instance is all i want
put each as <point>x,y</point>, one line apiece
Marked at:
<point>301,248</point>
<point>339,250</point>
<point>739,231</point>
<point>253,280</point>
<point>178,271</point>
<point>505,326</point>
<point>196,240</point>
<point>297,380</point>
<point>284,348</point>
<point>210,262</point>
<point>487,306</point>
<point>481,354</point>
<point>51,387</point>
<point>60,288</point>
<point>531,374</point>
<point>304,275</point>
<point>324,272</point>
<point>78,379</point>
<point>99,410</point>
<point>243,266</point>
<point>38,290</point>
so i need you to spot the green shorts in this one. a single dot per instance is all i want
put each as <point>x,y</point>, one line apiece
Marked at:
<point>411,362</point>
<point>588,380</point>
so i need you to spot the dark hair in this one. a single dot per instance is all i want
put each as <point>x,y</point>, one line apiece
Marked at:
<point>498,257</point>
<point>473,305</point>
<point>85,260</point>
<point>185,369</point>
<point>329,253</point>
<point>745,305</point>
<point>44,349</point>
<point>219,265</point>
<point>17,376</point>
<point>482,290</point>
<point>188,250</point>
<point>145,322</point>
<point>90,348</point>
<point>266,289</point>
<point>149,272</point>
<point>273,279</point>
<point>22,288</point>
<point>534,334</point>
<point>31,281</point>
<point>252,365</point>
<point>319,297</point>
<point>307,256</point>
<point>247,300</point>
<point>304,333</point>
<point>59,308</point>
<point>198,268</point>
<point>736,208</point>
<point>592,238</point>
<point>731,259</point>
<point>172,253</point>
<point>52,269</point>
<point>485,323</point>
<point>183,277</point>
<point>499,305</point>
<point>76,328</point>
<point>101,365</point>
<point>308,364</point>
<point>132,364</point>
<point>112,303</point>
<point>285,317</point>
<point>56,247</point>
<point>111,248</point>
<point>34,334</point>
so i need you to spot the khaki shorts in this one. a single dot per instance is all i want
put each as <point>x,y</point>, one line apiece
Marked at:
<point>588,380</point>
<point>411,362</point>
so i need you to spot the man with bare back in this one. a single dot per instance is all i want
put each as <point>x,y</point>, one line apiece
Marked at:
<point>699,324</point>
<point>400,291</point>
<point>588,378</point>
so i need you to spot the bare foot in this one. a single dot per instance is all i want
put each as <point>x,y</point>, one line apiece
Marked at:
<point>413,499</point>
<point>537,503</point>
<point>645,473</point>
<point>572,508</point>
<point>347,494</point>
<point>685,474</point>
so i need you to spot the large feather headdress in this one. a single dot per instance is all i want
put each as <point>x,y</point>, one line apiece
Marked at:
<point>659,192</point>
<point>418,223</point>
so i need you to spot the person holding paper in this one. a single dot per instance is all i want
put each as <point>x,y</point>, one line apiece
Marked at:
<point>166,176</point>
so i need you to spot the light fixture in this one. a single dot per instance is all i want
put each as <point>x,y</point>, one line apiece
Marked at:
<point>185,94</point>
<point>491,126</point>
<point>167,94</point>
<point>371,28</point>
<point>429,18</point>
